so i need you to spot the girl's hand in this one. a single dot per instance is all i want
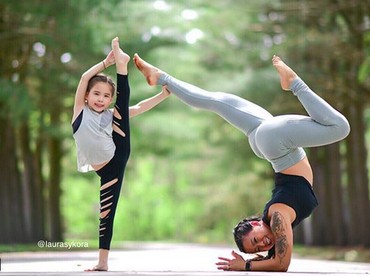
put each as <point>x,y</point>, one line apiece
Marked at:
<point>236,264</point>
<point>109,60</point>
<point>165,91</point>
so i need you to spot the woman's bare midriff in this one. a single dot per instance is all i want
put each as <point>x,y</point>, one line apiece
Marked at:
<point>302,168</point>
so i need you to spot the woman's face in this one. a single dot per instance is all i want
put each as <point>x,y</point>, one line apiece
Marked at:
<point>99,97</point>
<point>259,239</point>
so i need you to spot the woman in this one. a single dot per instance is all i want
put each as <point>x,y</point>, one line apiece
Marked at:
<point>102,135</point>
<point>277,139</point>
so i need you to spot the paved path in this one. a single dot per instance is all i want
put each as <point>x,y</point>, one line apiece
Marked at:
<point>158,259</point>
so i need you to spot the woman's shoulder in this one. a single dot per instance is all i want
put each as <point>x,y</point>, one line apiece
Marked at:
<point>283,210</point>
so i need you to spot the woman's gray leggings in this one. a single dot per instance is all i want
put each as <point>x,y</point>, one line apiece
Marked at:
<point>277,139</point>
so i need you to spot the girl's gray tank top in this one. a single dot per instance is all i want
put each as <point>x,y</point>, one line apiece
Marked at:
<point>94,139</point>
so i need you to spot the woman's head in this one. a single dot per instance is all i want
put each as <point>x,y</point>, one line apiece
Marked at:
<point>252,235</point>
<point>100,92</point>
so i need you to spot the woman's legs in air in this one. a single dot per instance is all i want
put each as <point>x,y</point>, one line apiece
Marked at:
<point>278,139</point>
<point>243,114</point>
<point>330,125</point>
<point>282,138</point>
<point>325,125</point>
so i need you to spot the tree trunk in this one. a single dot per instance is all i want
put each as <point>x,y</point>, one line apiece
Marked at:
<point>335,193</point>
<point>328,222</point>
<point>319,220</point>
<point>358,190</point>
<point>27,181</point>
<point>55,153</point>
<point>32,188</point>
<point>10,188</point>
<point>39,199</point>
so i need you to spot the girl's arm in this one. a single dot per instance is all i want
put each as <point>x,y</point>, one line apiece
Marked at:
<point>149,103</point>
<point>82,86</point>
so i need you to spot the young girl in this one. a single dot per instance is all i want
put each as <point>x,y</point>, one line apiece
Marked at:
<point>102,135</point>
<point>279,140</point>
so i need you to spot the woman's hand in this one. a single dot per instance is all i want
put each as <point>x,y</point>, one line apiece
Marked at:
<point>236,264</point>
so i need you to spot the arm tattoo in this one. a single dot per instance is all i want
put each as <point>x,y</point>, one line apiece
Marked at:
<point>278,228</point>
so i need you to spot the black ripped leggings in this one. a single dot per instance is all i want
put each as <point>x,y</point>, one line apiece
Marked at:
<point>111,175</point>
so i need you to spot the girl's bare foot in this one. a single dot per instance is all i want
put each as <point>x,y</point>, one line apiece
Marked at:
<point>150,72</point>
<point>119,55</point>
<point>103,261</point>
<point>97,268</point>
<point>286,74</point>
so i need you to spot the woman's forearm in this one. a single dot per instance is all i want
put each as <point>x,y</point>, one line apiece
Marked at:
<point>268,265</point>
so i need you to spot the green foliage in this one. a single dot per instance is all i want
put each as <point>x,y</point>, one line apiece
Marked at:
<point>15,100</point>
<point>80,205</point>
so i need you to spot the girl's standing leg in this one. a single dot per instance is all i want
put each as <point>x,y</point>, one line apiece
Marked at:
<point>112,174</point>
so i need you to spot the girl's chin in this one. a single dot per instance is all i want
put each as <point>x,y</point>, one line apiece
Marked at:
<point>98,108</point>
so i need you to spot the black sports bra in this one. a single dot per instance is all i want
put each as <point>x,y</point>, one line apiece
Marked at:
<point>294,191</point>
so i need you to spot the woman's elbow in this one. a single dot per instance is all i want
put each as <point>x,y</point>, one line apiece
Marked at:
<point>282,266</point>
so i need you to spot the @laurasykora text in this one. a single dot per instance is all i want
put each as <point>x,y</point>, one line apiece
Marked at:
<point>67,245</point>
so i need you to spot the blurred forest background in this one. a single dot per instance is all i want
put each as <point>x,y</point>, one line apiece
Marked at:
<point>191,176</point>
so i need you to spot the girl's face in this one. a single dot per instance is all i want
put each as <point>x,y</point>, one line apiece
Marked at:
<point>99,97</point>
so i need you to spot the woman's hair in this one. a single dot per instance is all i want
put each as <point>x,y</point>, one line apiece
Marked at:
<point>101,78</point>
<point>242,229</point>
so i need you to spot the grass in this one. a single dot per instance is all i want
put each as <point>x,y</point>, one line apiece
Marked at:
<point>350,254</point>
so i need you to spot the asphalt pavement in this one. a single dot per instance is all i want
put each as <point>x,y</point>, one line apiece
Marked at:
<point>161,259</point>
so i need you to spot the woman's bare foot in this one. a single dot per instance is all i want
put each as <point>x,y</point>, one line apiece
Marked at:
<point>286,74</point>
<point>150,72</point>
